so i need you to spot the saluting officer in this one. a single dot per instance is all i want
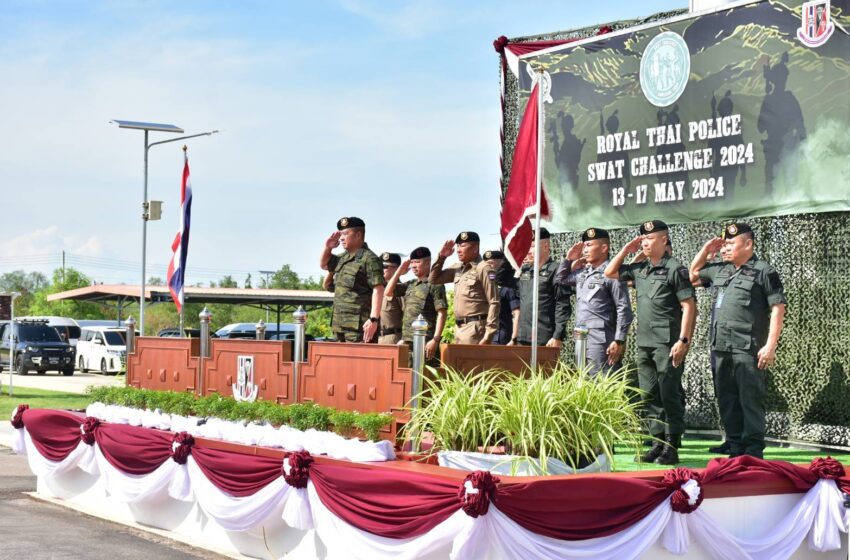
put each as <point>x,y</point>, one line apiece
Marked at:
<point>476,296</point>
<point>602,304</point>
<point>358,282</point>
<point>508,298</point>
<point>748,316</point>
<point>421,298</point>
<point>666,313</point>
<point>554,306</point>
<point>392,309</point>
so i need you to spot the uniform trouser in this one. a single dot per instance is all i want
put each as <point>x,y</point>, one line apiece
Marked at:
<point>389,338</point>
<point>741,390</point>
<point>663,402</point>
<point>597,359</point>
<point>470,333</point>
<point>351,335</point>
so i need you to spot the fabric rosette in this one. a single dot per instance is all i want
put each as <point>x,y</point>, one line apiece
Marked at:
<point>476,492</point>
<point>687,494</point>
<point>296,468</point>
<point>181,447</point>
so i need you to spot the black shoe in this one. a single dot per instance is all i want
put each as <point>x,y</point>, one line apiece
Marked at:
<point>654,451</point>
<point>669,455</point>
<point>723,449</point>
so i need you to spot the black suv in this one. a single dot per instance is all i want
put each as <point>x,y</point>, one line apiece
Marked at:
<point>38,347</point>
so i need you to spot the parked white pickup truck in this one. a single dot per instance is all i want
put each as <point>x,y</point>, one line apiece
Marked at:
<point>103,349</point>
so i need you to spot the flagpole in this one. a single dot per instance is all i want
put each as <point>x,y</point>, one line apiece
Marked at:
<point>535,298</point>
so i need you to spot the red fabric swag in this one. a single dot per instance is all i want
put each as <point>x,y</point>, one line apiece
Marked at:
<point>55,433</point>
<point>134,450</point>
<point>237,474</point>
<point>391,504</point>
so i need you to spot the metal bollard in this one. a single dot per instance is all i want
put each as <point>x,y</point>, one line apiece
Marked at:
<point>261,330</point>
<point>300,319</point>
<point>205,317</point>
<point>581,345</point>
<point>130,325</point>
<point>420,329</point>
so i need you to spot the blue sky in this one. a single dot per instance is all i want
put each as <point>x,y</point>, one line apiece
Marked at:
<point>379,109</point>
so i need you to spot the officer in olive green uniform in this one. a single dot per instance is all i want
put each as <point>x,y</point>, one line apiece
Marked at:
<point>421,298</point>
<point>358,282</point>
<point>476,294</point>
<point>748,315</point>
<point>554,307</point>
<point>666,312</point>
<point>392,309</point>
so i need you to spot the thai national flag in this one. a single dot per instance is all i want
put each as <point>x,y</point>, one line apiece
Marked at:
<point>180,246</point>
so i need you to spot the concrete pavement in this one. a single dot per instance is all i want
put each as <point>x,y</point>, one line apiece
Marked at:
<point>76,383</point>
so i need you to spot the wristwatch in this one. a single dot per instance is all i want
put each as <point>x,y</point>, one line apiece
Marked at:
<point>684,339</point>
<point>514,340</point>
<point>375,319</point>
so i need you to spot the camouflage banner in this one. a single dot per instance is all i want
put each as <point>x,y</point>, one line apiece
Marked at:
<point>740,112</point>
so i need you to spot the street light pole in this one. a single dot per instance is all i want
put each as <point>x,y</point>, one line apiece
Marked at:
<point>147,127</point>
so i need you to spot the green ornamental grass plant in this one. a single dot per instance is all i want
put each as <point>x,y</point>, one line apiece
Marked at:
<point>562,414</point>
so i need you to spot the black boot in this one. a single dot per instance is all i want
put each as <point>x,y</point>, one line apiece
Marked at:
<point>669,455</point>
<point>723,449</point>
<point>655,450</point>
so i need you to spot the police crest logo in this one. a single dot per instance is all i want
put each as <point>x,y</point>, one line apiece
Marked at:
<point>344,222</point>
<point>464,236</point>
<point>665,68</point>
<point>488,255</point>
<point>733,229</point>
<point>816,26</point>
<point>648,226</point>
<point>385,257</point>
<point>591,233</point>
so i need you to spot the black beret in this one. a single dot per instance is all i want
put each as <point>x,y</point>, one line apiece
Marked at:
<point>493,255</point>
<point>391,259</point>
<point>420,253</point>
<point>467,236</point>
<point>734,229</point>
<point>652,226</point>
<point>594,233</point>
<point>350,222</point>
<point>544,233</point>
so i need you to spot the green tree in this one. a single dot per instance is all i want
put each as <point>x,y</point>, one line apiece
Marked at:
<point>248,282</point>
<point>228,282</point>
<point>26,284</point>
<point>64,280</point>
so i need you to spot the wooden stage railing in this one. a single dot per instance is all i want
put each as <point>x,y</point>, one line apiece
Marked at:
<point>361,377</point>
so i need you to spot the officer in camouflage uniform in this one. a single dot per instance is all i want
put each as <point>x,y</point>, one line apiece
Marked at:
<point>554,306</point>
<point>358,282</point>
<point>421,298</point>
<point>748,317</point>
<point>602,304</point>
<point>666,313</point>
<point>476,296</point>
<point>393,306</point>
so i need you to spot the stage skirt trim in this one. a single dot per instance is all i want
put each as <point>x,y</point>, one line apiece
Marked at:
<point>408,515</point>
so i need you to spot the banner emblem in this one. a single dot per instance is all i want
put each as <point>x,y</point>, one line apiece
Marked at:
<point>664,68</point>
<point>244,389</point>
<point>816,27</point>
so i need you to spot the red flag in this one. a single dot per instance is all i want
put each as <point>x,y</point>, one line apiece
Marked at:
<point>521,196</point>
<point>180,245</point>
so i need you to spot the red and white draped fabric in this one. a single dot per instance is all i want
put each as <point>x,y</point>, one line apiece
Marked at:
<point>180,245</point>
<point>362,512</point>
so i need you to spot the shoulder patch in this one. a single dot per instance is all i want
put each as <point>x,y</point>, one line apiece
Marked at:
<point>491,275</point>
<point>748,272</point>
<point>775,281</point>
<point>683,272</point>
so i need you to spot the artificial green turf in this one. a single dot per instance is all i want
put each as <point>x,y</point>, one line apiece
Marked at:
<point>39,398</point>
<point>694,454</point>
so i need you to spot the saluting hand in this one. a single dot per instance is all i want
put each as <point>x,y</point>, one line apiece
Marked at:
<point>448,249</point>
<point>404,267</point>
<point>713,245</point>
<point>575,251</point>
<point>678,353</point>
<point>634,245</point>
<point>333,240</point>
<point>767,356</point>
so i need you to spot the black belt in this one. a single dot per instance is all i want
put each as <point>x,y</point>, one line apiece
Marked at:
<point>470,319</point>
<point>385,332</point>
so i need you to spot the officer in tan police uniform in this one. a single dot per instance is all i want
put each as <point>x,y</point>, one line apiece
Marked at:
<point>392,309</point>
<point>476,293</point>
